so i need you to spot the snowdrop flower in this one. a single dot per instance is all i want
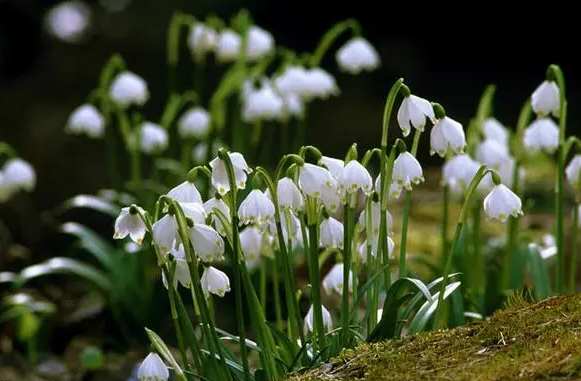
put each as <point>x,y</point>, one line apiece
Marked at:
<point>506,171</point>
<point>333,281</point>
<point>165,232</point>
<point>313,179</point>
<point>501,202</point>
<point>207,243</point>
<point>256,208</point>
<point>152,369</point>
<point>263,103</point>
<point>185,192</point>
<point>335,166</point>
<point>201,39</point>
<point>362,249</point>
<point>128,89</point>
<point>375,220</point>
<point>288,194</point>
<point>291,230</point>
<point>413,113</point>
<point>355,176</point>
<point>331,197</point>
<point>493,129</point>
<point>194,123</point>
<point>220,175</point>
<point>129,223</point>
<point>310,317</point>
<point>572,171</point>
<point>459,170</point>
<point>545,99</point>
<point>407,170</point>
<point>68,21</point>
<point>319,84</point>
<point>153,138</point>
<point>220,205</point>
<point>228,46</point>
<point>86,119</point>
<point>260,43</point>
<point>293,80</point>
<point>293,105</point>
<point>331,233</point>
<point>215,282</point>
<point>492,153</point>
<point>194,211</point>
<point>393,191</point>
<point>447,134</point>
<point>252,243</point>
<point>542,134</point>
<point>19,174</point>
<point>357,55</point>
<point>182,270</point>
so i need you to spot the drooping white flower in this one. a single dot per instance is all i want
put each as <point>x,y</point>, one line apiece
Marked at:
<point>86,119</point>
<point>165,232</point>
<point>221,206</point>
<point>252,243</point>
<point>319,84</point>
<point>357,55</point>
<point>545,99</point>
<point>542,134</point>
<point>375,219</point>
<point>202,39</point>
<point>493,129</point>
<point>355,176</point>
<point>194,211</point>
<point>331,196</point>
<point>313,178</point>
<point>220,175</point>
<point>335,166</point>
<point>215,282</point>
<point>362,248</point>
<point>393,191</point>
<point>207,243</point>
<point>128,89</point>
<point>228,45</point>
<point>492,153</point>
<point>152,138</point>
<point>447,134</point>
<point>293,105</point>
<point>68,21</point>
<point>256,208</point>
<point>501,203</point>
<point>262,104</point>
<point>331,233</point>
<point>129,223</point>
<point>185,192</point>
<point>19,174</point>
<point>572,171</point>
<point>290,230</point>
<point>288,195</point>
<point>413,113</point>
<point>182,270</point>
<point>459,170</point>
<point>310,318</point>
<point>333,281</point>
<point>194,123</point>
<point>260,43</point>
<point>153,369</point>
<point>293,80</point>
<point>407,170</point>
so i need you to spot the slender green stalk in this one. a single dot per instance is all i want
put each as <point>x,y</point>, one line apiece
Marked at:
<point>444,225</point>
<point>178,21</point>
<point>478,264</point>
<point>347,260</point>
<point>175,318</point>
<point>330,37</point>
<point>262,289</point>
<point>301,130</point>
<point>315,280</point>
<point>276,292</point>
<point>573,249</point>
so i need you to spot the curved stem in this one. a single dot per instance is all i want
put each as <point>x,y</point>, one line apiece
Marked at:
<point>330,37</point>
<point>111,68</point>
<point>178,21</point>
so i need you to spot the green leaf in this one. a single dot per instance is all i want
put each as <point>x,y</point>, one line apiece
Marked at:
<point>361,294</point>
<point>233,365</point>
<point>91,242</point>
<point>230,337</point>
<point>85,201</point>
<point>285,345</point>
<point>518,267</point>
<point>425,313</point>
<point>539,274</point>
<point>164,352</point>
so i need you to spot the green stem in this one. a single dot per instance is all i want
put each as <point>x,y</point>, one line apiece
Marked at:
<point>478,267</point>
<point>276,291</point>
<point>444,226</point>
<point>178,21</point>
<point>186,153</point>
<point>573,249</point>
<point>175,319</point>
<point>330,37</point>
<point>315,280</point>
<point>345,308</point>
<point>262,293</point>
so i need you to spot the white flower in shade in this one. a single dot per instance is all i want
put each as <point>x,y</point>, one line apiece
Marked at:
<point>319,84</point>
<point>407,170</point>
<point>506,172</point>
<point>492,153</point>
<point>542,134</point>
<point>215,282</point>
<point>211,206</point>
<point>333,281</point>
<point>293,80</point>
<point>252,243</point>
<point>207,243</point>
<point>152,138</point>
<point>572,171</point>
<point>354,177</point>
<point>413,113</point>
<point>290,230</point>
<point>129,223</point>
<point>165,232</point>
<point>201,39</point>
<point>195,211</point>
<point>153,369</point>
<point>459,170</point>
<point>128,89</point>
<point>260,43</point>
<point>293,105</point>
<point>194,123</point>
<point>220,174</point>
<point>335,166</point>
<point>501,203</point>
<point>447,134</point>
<point>493,129</point>
<point>312,179</point>
<point>228,45</point>
<point>19,174</point>
<point>331,196</point>
<point>182,270</point>
<point>185,192</point>
<point>262,104</point>
<point>357,55</point>
<point>288,195</point>
<point>256,208</point>
<point>545,99</point>
<point>310,318</point>
<point>331,233</point>
<point>68,21</point>
<point>393,192</point>
<point>86,119</point>
<point>362,249</point>
<point>375,220</point>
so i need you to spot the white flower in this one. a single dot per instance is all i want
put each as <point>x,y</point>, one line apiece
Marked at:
<point>356,55</point>
<point>165,232</point>
<point>256,208</point>
<point>310,317</point>
<point>220,205</point>
<point>333,281</point>
<point>86,119</point>
<point>355,176</point>
<point>335,166</point>
<point>542,134</point>
<point>152,138</point>
<point>331,233</point>
<point>194,123</point>
<point>214,281</point>
<point>375,220</point>
<point>252,243</point>
<point>492,153</point>
<point>362,249</point>
<point>407,170</point>
<point>129,223</point>
<point>68,21</point>
<point>312,179</point>
<point>501,202</point>
<point>413,113</point>
<point>545,99</point>
<point>293,80</point>
<point>293,227</point>
<point>207,243</point>
<point>459,170</point>
<point>506,171</point>
<point>260,43</point>
<point>182,270</point>
<point>19,174</point>
<point>394,190</point>
<point>493,129</point>
<point>201,39</point>
<point>572,171</point>
<point>331,196</point>
<point>128,89</point>
<point>262,104</point>
<point>319,84</point>
<point>288,195</point>
<point>194,211</point>
<point>228,46</point>
<point>152,369</point>
<point>185,192</point>
<point>220,175</point>
<point>293,105</point>
<point>447,134</point>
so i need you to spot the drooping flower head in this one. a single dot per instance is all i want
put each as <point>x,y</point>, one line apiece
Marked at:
<point>357,55</point>
<point>220,174</point>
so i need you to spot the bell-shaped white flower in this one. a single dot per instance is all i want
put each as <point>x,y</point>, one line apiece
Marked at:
<point>86,119</point>
<point>331,196</point>
<point>220,174</point>
<point>357,55</point>
<point>362,249</point>
<point>256,208</point>
<point>293,105</point>
<point>215,282</point>
<point>153,369</point>
<point>407,170</point>
<point>493,129</point>
<point>152,138</point>
<point>19,174</point>
<point>262,104</point>
<point>165,232</point>
<point>182,270</point>
<point>545,99</point>
<point>194,123</point>
<point>331,233</point>
<point>542,134</point>
<point>293,80</point>
<point>310,317</point>
<point>185,192</point>
<point>252,243</point>
<point>68,21</point>
<point>219,205</point>
<point>572,171</point>
<point>312,179</point>
<point>319,84</point>
<point>291,229</point>
<point>288,194</point>
<point>194,211</point>
<point>333,281</point>
<point>501,203</point>
<point>260,43</point>
<point>393,191</point>
<point>202,39</point>
<point>129,223</point>
<point>207,243</point>
<point>128,89</point>
<point>413,113</point>
<point>459,170</point>
<point>355,176</point>
<point>492,153</point>
<point>228,46</point>
<point>447,134</point>
<point>375,219</point>
<point>335,166</point>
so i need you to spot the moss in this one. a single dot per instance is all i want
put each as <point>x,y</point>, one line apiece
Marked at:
<point>540,341</point>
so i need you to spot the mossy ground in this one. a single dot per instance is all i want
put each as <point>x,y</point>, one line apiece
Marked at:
<point>540,341</point>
